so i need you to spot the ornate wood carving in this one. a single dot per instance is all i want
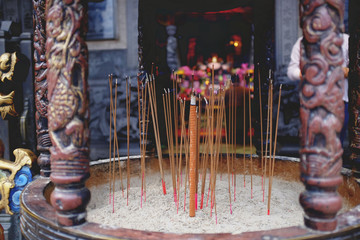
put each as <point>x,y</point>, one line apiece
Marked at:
<point>68,111</point>
<point>321,111</point>
<point>354,85</point>
<point>41,87</point>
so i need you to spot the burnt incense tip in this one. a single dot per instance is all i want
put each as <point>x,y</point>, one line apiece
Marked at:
<point>193,100</point>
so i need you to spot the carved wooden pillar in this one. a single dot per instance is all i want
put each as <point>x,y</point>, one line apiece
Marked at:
<point>354,85</point>
<point>321,111</point>
<point>68,111</point>
<point>41,86</point>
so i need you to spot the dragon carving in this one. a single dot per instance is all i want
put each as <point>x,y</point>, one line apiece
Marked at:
<point>7,67</point>
<point>68,116</point>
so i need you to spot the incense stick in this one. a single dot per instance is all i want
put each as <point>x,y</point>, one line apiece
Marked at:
<point>128,138</point>
<point>261,132</point>
<point>266,142</point>
<point>171,141</point>
<point>250,130</point>
<point>182,117</point>
<point>141,132</point>
<point>228,163</point>
<point>116,143</point>
<point>244,140</point>
<point>110,140</point>
<point>270,143</point>
<point>273,157</point>
<point>205,154</point>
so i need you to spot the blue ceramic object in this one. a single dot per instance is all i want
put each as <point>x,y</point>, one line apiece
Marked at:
<point>22,178</point>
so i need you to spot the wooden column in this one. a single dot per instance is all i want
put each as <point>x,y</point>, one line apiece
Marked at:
<point>321,111</point>
<point>68,111</point>
<point>354,86</point>
<point>41,87</point>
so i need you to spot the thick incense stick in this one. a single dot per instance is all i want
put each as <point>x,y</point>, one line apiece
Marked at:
<point>273,157</point>
<point>193,157</point>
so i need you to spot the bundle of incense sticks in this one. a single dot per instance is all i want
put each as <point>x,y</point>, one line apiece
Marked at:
<point>268,161</point>
<point>272,157</point>
<point>197,165</point>
<point>169,133</point>
<point>153,107</point>
<point>143,115</point>
<point>114,145</point>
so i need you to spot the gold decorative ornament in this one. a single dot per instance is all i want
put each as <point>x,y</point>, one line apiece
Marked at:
<point>22,157</point>
<point>7,66</point>
<point>7,105</point>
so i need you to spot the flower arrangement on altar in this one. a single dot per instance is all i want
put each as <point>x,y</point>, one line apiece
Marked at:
<point>199,78</point>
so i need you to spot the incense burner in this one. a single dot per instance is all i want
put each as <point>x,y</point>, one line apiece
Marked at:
<point>39,219</point>
<point>55,207</point>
